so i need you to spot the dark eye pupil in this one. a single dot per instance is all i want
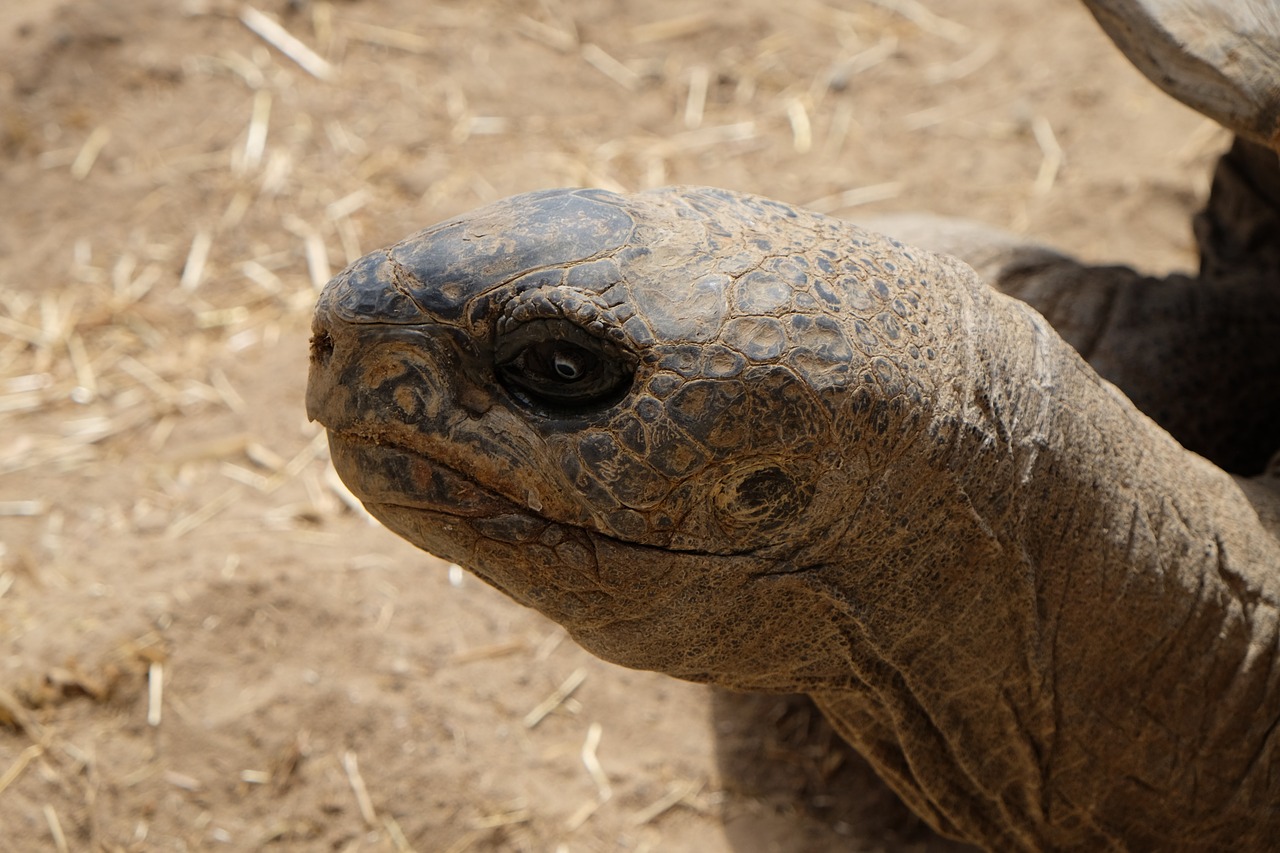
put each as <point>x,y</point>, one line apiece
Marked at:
<point>559,361</point>
<point>567,365</point>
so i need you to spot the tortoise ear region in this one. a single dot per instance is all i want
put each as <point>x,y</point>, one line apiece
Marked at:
<point>762,493</point>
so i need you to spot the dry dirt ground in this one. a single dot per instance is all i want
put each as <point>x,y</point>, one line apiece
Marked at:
<point>205,646</point>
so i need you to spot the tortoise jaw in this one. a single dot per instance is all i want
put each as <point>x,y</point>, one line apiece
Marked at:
<point>379,473</point>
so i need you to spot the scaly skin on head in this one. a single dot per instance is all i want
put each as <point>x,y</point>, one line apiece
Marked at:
<point>724,439</point>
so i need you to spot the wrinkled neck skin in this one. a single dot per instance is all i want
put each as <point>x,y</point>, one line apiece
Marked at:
<point>1058,620</point>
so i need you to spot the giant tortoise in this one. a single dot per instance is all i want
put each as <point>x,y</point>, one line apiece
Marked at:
<point>723,438</point>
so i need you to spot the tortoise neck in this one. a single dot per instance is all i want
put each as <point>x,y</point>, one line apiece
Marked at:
<point>1043,589</point>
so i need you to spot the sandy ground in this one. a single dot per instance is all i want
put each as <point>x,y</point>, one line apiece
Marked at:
<point>205,647</point>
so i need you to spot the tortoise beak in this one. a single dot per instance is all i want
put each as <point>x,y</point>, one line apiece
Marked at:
<point>322,383</point>
<point>361,311</point>
<point>369,377</point>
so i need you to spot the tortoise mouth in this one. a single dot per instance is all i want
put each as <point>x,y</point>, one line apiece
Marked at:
<point>614,596</point>
<point>387,474</point>
<point>392,480</point>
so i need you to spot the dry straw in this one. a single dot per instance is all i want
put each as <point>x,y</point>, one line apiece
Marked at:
<point>282,40</point>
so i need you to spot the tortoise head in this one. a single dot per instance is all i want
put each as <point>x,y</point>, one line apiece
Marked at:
<point>622,410</point>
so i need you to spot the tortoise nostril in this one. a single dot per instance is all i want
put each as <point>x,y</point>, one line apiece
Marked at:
<point>321,348</point>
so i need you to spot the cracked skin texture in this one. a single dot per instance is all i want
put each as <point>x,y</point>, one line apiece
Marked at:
<point>740,443</point>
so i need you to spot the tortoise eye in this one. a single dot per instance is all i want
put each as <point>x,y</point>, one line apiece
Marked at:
<point>571,362</point>
<point>556,365</point>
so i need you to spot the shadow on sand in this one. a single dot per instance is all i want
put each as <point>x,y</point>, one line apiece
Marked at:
<point>797,787</point>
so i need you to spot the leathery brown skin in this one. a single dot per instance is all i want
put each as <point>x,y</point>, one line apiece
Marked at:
<point>735,442</point>
<point>1195,352</point>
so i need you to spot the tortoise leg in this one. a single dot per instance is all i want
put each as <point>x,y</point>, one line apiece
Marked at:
<point>1238,232</point>
<point>1196,354</point>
